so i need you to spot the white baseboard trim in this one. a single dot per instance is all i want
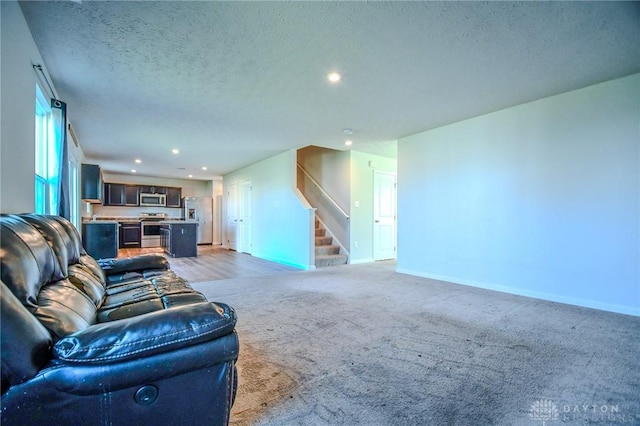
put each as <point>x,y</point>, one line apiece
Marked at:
<point>586,303</point>
<point>357,261</point>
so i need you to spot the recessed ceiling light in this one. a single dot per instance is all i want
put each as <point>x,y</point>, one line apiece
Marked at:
<point>190,176</point>
<point>348,143</point>
<point>334,77</point>
<point>133,171</point>
<point>175,151</point>
<point>204,168</point>
<point>138,161</point>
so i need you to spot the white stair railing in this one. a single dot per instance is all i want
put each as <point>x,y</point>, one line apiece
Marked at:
<point>333,216</point>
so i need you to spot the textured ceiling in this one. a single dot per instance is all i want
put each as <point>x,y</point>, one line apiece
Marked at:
<point>231,83</point>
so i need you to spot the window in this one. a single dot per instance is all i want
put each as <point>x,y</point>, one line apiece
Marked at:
<point>47,157</point>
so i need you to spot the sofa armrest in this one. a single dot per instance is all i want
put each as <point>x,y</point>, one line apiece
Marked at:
<point>201,377</point>
<point>134,264</point>
<point>146,334</point>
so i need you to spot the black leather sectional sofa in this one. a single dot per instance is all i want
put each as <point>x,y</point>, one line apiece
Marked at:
<point>124,342</point>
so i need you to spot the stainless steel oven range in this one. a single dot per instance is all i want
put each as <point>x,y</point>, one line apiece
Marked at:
<point>150,224</point>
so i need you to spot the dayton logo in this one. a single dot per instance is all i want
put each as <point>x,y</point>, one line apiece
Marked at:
<point>544,410</point>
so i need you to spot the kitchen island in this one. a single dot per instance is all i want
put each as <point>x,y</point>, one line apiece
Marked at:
<point>179,238</point>
<point>100,238</point>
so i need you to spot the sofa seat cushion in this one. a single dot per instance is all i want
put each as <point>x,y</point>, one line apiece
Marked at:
<point>133,293</point>
<point>129,310</point>
<point>148,334</point>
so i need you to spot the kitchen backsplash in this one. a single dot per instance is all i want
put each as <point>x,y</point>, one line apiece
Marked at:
<point>117,211</point>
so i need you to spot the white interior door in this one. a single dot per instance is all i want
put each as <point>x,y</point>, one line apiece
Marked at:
<point>384,215</point>
<point>232,216</point>
<point>244,215</point>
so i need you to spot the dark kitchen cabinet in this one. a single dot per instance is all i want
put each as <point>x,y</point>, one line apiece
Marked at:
<point>91,178</point>
<point>113,194</point>
<point>174,197</point>
<point>119,194</point>
<point>165,234</point>
<point>179,239</point>
<point>150,189</point>
<point>131,195</point>
<point>130,234</point>
<point>100,239</point>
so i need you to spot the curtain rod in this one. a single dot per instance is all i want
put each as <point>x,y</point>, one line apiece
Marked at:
<point>46,80</point>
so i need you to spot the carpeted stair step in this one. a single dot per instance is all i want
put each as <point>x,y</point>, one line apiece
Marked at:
<point>327,249</point>
<point>327,253</point>
<point>330,260</point>
<point>323,241</point>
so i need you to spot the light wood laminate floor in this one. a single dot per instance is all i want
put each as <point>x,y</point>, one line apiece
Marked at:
<point>215,263</point>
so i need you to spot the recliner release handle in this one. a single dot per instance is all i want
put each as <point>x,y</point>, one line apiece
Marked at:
<point>146,395</point>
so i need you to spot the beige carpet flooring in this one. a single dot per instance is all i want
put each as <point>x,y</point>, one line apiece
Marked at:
<point>364,345</point>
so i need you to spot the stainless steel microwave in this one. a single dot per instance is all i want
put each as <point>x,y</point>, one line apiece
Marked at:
<point>153,200</point>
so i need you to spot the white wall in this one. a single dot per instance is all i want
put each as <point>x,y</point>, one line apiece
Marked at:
<point>541,200</point>
<point>17,111</point>
<point>282,226</point>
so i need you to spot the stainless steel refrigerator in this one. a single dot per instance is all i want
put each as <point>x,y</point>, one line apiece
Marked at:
<point>200,209</point>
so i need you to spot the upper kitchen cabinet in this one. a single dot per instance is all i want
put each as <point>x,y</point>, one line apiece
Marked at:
<point>91,190</point>
<point>151,189</point>
<point>131,195</point>
<point>119,194</point>
<point>174,197</point>
<point>113,194</point>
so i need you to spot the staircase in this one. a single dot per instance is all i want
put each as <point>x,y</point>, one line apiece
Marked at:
<point>327,254</point>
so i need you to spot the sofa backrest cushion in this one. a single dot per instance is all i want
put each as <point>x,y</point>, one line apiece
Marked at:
<point>90,263</point>
<point>73,234</point>
<point>26,262</point>
<point>59,238</point>
<point>86,281</point>
<point>26,344</point>
<point>63,238</point>
<point>72,242</point>
<point>64,308</point>
<point>64,298</point>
